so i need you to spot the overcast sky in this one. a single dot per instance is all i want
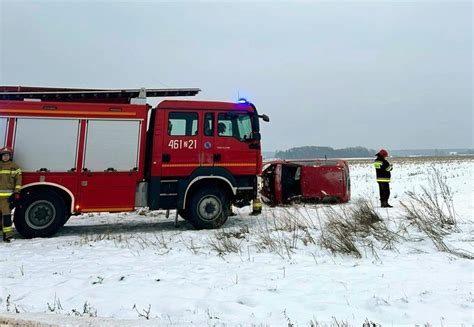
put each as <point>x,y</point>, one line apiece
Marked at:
<point>374,73</point>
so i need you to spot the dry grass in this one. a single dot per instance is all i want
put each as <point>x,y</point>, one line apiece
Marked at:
<point>157,242</point>
<point>345,231</point>
<point>283,231</point>
<point>355,229</point>
<point>228,241</point>
<point>432,212</point>
<point>435,201</point>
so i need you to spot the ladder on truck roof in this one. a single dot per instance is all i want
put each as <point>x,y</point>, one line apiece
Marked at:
<point>133,96</point>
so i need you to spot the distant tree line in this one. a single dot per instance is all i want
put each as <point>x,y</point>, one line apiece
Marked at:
<point>310,152</point>
<point>432,152</point>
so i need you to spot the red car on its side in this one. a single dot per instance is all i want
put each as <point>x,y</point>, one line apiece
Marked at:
<point>318,180</point>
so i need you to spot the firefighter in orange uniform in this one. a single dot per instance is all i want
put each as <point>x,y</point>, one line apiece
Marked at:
<point>383,169</point>
<point>10,185</point>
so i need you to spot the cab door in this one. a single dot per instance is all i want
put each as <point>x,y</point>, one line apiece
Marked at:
<point>181,143</point>
<point>208,140</point>
<point>234,148</point>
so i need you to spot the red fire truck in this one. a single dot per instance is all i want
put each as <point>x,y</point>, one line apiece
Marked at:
<point>91,150</point>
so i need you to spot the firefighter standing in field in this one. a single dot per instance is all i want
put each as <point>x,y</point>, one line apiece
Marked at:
<point>10,184</point>
<point>383,169</point>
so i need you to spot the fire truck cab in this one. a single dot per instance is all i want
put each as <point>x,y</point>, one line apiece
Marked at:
<point>108,151</point>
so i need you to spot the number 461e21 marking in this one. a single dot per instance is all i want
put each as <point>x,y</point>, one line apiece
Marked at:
<point>182,144</point>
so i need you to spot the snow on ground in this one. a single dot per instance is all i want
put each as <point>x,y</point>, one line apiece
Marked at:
<point>120,269</point>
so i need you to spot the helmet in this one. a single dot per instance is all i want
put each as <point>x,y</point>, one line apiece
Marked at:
<point>383,153</point>
<point>6,149</point>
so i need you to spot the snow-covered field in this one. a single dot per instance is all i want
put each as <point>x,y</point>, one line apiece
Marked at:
<point>138,269</point>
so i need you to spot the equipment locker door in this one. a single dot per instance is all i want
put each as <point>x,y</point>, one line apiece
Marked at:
<point>110,165</point>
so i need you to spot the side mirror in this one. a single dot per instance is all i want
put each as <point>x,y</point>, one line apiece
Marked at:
<point>265,118</point>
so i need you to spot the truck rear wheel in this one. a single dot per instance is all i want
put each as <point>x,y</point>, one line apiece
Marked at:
<point>209,208</point>
<point>40,215</point>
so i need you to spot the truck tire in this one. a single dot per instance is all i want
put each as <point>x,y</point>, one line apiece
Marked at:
<point>183,213</point>
<point>209,208</point>
<point>66,219</point>
<point>41,214</point>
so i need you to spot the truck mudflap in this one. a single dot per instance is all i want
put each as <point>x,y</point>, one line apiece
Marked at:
<point>312,181</point>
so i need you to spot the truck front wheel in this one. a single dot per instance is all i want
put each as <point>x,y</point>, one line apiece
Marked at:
<point>209,208</point>
<point>40,215</point>
<point>184,214</point>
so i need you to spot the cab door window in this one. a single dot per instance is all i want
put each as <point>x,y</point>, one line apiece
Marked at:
<point>224,125</point>
<point>238,126</point>
<point>209,124</point>
<point>244,124</point>
<point>182,123</point>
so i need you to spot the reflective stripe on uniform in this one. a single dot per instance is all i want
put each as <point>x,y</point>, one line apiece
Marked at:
<point>389,168</point>
<point>5,194</point>
<point>9,171</point>
<point>383,180</point>
<point>378,164</point>
<point>8,229</point>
